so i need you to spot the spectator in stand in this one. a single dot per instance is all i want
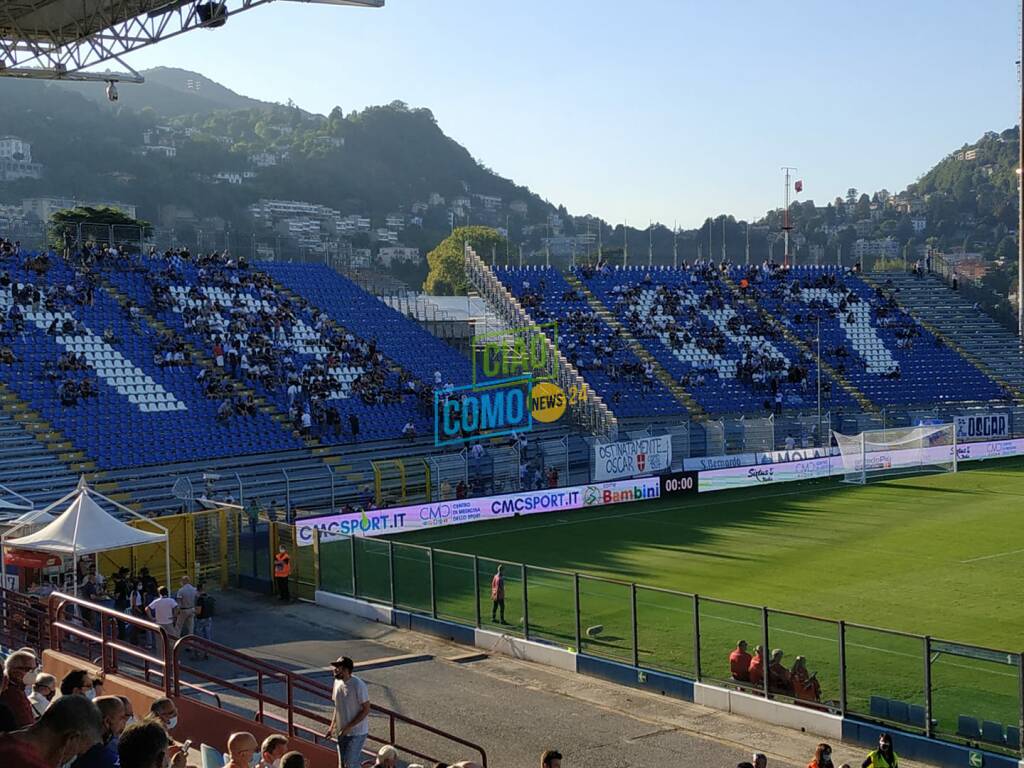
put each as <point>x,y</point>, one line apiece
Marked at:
<point>760,760</point>
<point>739,663</point>
<point>186,597</point>
<point>272,750</point>
<point>43,691</point>
<point>242,747</point>
<point>805,685</point>
<point>884,756</point>
<point>163,611</point>
<point>409,431</point>
<point>822,757</point>
<point>77,682</point>
<point>104,753</point>
<point>498,594</point>
<point>146,745</point>
<point>755,673</point>
<point>551,758</point>
<point>744,764</point>
<point>69,728</point>
<point>293,760</point>
<point>353,425</point>
<point>387,757</point>
<point>17,668</point>
<point>778,676</point>
<point>164,712</point>
<point>351,708</point>
<point>205,607</point>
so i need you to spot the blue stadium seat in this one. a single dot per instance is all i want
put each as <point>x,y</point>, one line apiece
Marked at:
<point>879,707</point>
<point>992,732</point>
<point>899,711</point>
<point>967,727</point>
<point>1013,737</point>
<point>917,716</point>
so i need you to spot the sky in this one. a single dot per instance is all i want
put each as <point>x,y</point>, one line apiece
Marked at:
<point>639,110</point>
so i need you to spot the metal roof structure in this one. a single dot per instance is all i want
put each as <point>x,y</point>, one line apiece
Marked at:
<point>60,39</point>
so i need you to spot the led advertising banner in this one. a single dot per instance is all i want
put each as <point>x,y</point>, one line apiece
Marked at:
<point>628,458</point>
<point>382,522</point>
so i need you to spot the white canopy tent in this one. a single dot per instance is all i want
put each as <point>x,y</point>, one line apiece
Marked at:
<point>83,528</point>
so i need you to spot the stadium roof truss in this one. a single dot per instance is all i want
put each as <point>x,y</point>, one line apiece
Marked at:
<point>60,39</point>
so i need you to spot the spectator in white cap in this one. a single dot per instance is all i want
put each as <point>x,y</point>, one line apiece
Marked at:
<point>387,757</point>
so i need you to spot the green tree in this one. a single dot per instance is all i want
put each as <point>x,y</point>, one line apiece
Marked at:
<point>447,275</point>
<point>97,218</point>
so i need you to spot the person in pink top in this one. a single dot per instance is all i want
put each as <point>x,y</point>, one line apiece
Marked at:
<point>498,594</point>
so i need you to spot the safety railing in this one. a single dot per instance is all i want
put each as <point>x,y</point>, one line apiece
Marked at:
<point>24,621</point>
<point>296,703</point>
<point>949,690</point>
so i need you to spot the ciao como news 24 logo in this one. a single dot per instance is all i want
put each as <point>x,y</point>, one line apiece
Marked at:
<point>514,384</point>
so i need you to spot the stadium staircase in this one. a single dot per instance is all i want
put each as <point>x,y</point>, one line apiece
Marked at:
<point>693,408</point>
<point>864,403</point>
<point>35,460</point>
<point>592,415</point>
<point>969,331</point>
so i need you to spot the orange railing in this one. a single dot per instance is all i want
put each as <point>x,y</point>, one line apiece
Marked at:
<point>288,699</point>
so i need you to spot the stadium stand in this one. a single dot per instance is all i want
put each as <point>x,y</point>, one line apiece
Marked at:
<point>717,347</point>
<point>598,352</point>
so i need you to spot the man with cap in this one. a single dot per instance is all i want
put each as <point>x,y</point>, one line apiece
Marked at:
<point>351,709</point>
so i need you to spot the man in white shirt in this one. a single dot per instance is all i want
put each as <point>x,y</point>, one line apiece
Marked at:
<point>186,607</point>
<point>351,708</point>
<point>163,610</point>
<point>43,691</point>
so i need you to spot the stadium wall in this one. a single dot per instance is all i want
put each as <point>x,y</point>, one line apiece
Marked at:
<point>824,724</point>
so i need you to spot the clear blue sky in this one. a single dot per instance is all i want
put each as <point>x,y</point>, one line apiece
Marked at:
<point>670,110</point>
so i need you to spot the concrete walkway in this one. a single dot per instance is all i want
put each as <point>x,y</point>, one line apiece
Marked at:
<point>514,709</point>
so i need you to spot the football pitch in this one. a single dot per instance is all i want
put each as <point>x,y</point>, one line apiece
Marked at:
<point>937,555</point>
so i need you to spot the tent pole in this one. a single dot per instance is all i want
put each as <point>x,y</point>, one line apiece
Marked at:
<point>74,569</point>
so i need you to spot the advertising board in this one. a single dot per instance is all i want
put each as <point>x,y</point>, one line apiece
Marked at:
<point>627,458</point>
<point>382,522</point>
<point>982,426</point>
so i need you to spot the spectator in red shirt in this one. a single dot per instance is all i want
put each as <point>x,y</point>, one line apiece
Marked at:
<point>778,676</point>
<point>17,666</point>
<point>739,663</point>
<point>755,672</point>
<point>67,729</point>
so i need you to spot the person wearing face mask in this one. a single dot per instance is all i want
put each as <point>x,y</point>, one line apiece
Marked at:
<point>17,668</point>
<point>77,681</point>
<point>164,711</point>
<point>43,691</point>
<point>884,756</point>
<point>147,745</point>
<point>242,748</point>
<point>104,754</point>
<point>271,751</point>
<point>66,730</point>
<point>822,757</point>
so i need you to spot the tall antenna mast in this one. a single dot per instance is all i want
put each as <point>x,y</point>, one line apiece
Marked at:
<point>786,225</point>
<point>1020,181</point>
<point>723,239</point>
<point>675,245</point>
<point>650,243</point>
<point>747,259</point>
<point>625,243</point>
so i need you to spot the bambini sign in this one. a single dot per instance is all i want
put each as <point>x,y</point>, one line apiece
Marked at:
<point>646,455</point>
<point>435,514</point>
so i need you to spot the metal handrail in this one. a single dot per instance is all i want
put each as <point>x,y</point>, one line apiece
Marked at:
<point>110,647</point>
<point>293,682</point>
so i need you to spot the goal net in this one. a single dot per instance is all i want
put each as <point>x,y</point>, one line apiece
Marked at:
<point>880,453</point>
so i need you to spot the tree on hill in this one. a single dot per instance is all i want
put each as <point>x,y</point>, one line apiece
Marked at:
<point>447,275</point>
<point>101,223</point>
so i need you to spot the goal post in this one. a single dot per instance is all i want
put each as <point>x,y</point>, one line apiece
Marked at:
<point>881,453</point>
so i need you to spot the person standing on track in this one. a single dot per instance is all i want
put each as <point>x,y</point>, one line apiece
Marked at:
<point>282,571</point>
<point>884,756</point>
<point>498,594</point>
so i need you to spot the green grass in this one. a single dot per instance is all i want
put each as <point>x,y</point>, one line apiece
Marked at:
<point>937,555</point>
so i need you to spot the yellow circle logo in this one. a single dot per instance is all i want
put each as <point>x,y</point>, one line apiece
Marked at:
<point>547,402</point>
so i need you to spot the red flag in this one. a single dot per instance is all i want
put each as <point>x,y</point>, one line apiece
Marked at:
<point>799,186</point>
